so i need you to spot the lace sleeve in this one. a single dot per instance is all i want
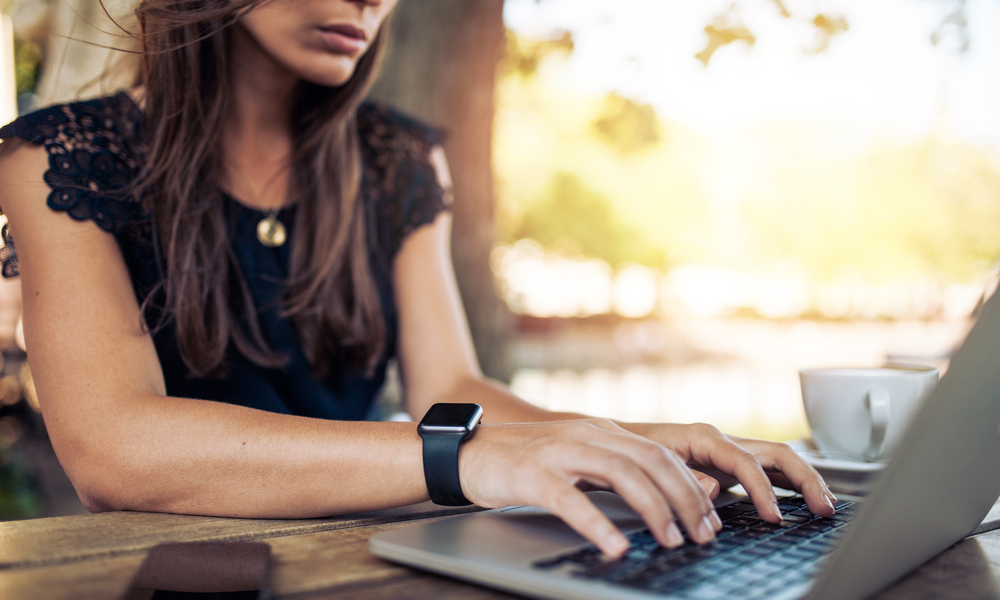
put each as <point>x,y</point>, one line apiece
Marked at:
<point>399,175</point>
<point>93,159</point>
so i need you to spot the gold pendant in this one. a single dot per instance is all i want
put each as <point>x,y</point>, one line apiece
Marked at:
<point>271,231</point>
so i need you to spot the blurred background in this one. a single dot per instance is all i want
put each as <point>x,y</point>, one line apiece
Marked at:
<point>663,209</point>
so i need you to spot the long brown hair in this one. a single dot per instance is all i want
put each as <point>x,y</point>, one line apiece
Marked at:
<point>330,294</point>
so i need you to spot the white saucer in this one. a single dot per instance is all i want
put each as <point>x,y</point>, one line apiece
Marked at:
<point>844,476</point>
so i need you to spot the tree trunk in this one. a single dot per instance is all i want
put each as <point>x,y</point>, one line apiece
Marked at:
<point>441,68</point>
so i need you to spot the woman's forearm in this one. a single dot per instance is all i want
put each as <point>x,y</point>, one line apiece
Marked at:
<point>208,458</point>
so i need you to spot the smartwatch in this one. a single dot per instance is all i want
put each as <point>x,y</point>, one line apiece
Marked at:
<point>443,429</point>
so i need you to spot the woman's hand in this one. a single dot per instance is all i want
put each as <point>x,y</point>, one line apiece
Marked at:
<point>548,464</point>
<point>756,464</point>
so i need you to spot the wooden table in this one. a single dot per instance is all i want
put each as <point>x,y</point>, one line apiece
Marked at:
<point>95,556</point>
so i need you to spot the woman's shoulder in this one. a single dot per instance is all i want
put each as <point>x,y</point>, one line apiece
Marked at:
<point>94,150</point>
<point>383,127</point>
<point>88,155</point>
<point>401,179</point>
<point>97,122</point>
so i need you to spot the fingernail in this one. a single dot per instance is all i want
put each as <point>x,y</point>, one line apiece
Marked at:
<point>777,511</point>
<point>708,485</point>
<point>705,530</point>
<point>674,537</point>
<point>829,503</point>
<point>716,521</point>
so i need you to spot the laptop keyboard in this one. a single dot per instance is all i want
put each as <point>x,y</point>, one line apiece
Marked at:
<point>750,558</point>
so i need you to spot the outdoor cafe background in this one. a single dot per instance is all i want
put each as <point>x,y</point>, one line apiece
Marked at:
<point>677,204</point>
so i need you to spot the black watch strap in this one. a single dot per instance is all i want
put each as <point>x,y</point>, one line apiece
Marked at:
<point>441,469</point>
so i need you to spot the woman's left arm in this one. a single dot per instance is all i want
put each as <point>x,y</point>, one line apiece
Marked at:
<point>439,364</point>
<point>436,355</point>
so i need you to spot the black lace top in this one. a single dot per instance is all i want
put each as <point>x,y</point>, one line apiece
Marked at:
<point>96,148</point>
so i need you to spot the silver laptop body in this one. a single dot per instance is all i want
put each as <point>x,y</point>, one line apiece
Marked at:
<point>943,481</point>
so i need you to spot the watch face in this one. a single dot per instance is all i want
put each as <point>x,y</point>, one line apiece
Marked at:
<point>452,417</point>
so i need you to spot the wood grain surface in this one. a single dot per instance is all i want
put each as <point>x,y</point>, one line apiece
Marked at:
<point>59,540</point>
<point>329,558</point>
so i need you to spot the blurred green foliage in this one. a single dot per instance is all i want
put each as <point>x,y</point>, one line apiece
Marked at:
<point>523,55</point>
<point>926,208</point>
<point>728,27</point>
<point>27,64</point>
<point>594,174</point>
<point>573,218</point>
<point>19,499</point>
<point>626,125</point>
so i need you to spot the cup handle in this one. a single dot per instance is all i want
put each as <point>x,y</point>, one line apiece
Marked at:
<point>877,404</point>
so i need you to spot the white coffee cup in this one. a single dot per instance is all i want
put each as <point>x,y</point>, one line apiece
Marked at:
<point>862,413</point>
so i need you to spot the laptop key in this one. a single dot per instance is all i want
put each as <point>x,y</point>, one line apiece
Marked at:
<point>642,536</point>
<point>728,512</point>
<point>815,526</point>
<point>817,547</point>
<point>728,544</point>
<point>765,527</point>
<point>784,560</point>
<point>801,554</point>
<point>706,592</point>
<point>800,532</point>
<point>728,530</point>
<point>778,543</point>
<point>799,500</point>
<point>751,534</point>
<point>638,554</point>
<point>793,518</point>
<point>741,558</point>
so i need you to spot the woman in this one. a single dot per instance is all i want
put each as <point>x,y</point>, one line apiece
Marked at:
<point>249,244</point>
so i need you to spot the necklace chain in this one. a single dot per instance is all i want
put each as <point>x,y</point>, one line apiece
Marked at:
<point>271,231</point>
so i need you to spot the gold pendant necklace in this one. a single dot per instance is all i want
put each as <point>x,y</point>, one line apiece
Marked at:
<point>271,231</point>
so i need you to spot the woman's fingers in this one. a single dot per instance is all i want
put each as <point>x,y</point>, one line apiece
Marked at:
<point>756,464</point>
<point>713,488</point>
<point>544,465</point>
<point>634,482</point>
<point>747,469</point>
<point>707,446</point>
<point>672,478</point>
<point>708,483</point>
<point>621,474</point>
<point>797,473</point>
<point>759,464</point>
<point>572,506</point>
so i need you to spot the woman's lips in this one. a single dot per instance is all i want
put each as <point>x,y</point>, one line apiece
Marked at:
<point>344,39</point>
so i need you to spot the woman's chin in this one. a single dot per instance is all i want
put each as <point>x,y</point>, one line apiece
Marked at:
<point>330,73</point>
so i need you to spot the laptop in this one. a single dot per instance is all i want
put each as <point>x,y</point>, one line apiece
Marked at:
<point>942,482</point>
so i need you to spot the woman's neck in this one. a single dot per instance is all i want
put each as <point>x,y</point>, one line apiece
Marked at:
<point>257,137</point>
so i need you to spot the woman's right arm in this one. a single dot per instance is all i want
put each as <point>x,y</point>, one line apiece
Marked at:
<point>126,445</point>
<point>121,440</point>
